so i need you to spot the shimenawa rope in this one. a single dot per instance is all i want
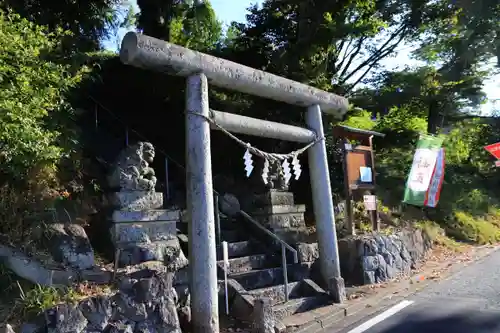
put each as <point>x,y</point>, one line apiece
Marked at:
<point>272,157</point>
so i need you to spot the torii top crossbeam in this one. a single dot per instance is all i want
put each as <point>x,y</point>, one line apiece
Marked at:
<point>150,53</point>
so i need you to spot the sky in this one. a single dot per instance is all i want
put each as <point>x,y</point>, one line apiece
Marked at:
<point>235,10</point>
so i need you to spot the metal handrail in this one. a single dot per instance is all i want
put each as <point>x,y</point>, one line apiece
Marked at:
<point>273,235</point>
<point>284,245</point>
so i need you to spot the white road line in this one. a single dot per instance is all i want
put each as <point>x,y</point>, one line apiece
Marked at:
<point>381,317</point>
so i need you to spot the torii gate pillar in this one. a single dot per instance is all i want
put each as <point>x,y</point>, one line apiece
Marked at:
<point>324,213</point>
<point>200,205</point>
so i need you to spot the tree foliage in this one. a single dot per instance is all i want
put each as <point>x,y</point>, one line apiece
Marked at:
<point>344,40</point>
<point>186,23</point>
<point>33,86</point>
<point>196,27</point>
<point>425,92</point>
<point>89,21</point>
<point>467,34</point>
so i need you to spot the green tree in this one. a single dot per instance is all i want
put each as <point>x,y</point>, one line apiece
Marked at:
<point>197,28</point>
<point>90,21</point>
<point>155,17</point>
<point>423,92</point>
<point>186,23</point>
<point>330,44</point>
<point>33,86</point>
<point>467,34</point>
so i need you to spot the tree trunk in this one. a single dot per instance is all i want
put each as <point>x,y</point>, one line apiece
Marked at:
<point>433,117</point>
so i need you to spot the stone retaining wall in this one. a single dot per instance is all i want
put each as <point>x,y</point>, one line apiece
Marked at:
<point>378,258</point>
<point>374,258</point>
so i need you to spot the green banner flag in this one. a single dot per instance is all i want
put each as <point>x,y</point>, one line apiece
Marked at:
<point>424,163</point>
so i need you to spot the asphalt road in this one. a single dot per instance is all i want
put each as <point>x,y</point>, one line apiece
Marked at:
<point>467,302</point>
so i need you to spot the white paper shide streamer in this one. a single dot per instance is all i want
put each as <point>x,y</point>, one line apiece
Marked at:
<point>248,162</point>
<point>265,171</point>
<point>286,171</point>
<point>297,170</point>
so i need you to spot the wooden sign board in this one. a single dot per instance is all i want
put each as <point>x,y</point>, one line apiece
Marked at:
<point>359,171</point>
<point>358,159</point>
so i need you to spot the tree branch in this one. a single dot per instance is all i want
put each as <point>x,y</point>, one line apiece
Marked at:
<point>347,53</point>
<point>338,49</point>
<point>382,52</point>
<point>361,77</point>
<point>353,55</point>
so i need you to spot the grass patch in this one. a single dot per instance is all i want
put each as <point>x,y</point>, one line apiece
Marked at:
<point>438,235</point>
<point>474,229</point>
<point>22,300</point>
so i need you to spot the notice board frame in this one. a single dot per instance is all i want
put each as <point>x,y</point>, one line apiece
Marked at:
<point>355,156</point>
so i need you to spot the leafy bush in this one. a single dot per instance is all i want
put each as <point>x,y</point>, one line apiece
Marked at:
<point>33,86</point>
<point>359,118</point>
<point>401,120</point>
<point>466,227</point>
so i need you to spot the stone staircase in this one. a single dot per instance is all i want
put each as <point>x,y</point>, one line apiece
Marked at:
<point>255,272</point>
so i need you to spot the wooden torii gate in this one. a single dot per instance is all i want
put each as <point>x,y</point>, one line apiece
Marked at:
<point>153,54</point>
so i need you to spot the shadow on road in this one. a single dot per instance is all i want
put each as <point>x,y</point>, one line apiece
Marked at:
<point>463,322</point>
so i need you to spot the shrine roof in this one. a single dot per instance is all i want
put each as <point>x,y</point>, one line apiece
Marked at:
<point>352,132</point>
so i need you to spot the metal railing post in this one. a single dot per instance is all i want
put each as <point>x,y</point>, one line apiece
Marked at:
<point>217,219</point>
<point>285,270</point>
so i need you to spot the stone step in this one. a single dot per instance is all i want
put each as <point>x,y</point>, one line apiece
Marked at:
<point>226,235</point>
<point>236,249</point>
<point>229,223</point>
<point>277,293</point>
<point>303,295</point>
<point>260,278</point>
<point>225,223</point>
<point>246,264</point>
<point>299,305</point>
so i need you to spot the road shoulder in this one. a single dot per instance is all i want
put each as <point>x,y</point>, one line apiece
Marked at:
<point>367,301</point>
